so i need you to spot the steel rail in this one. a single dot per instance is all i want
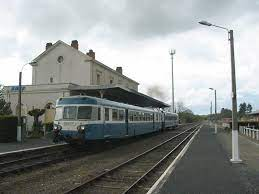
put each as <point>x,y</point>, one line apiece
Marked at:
<point>18,165</point>
<point>157,164</point>
<point>80,187</point>
<point>55,157</point>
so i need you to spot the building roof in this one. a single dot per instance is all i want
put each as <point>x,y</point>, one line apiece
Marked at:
<point>119,93</point>
<point>113,92</point>
<point>254,113</point>
<point>88,59</point>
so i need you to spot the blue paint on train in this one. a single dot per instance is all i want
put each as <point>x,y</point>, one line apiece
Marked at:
<point>131,120</point>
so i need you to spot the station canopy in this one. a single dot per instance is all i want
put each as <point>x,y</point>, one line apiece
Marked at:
<point>118,93</point>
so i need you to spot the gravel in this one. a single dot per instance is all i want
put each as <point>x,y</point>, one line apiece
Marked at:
<point>57,178</point>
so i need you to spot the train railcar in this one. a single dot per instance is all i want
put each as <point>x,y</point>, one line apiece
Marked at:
<point>171,120</point>
<point>84,118</point>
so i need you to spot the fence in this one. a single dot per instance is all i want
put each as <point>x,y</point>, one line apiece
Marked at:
<point>250,132</point>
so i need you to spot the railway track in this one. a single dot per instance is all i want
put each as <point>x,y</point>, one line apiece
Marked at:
<point>20,161</point>
<point>128,176</point>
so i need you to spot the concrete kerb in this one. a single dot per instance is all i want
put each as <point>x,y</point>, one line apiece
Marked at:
<point>162,179</point>
<point>31,149</point>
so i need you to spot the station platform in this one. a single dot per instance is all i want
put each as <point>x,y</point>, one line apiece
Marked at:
<point>206,166</point>
<point>29,143</point>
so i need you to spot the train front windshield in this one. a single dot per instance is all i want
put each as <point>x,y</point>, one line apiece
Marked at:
<point>89,113</point>
<point>59,113</point>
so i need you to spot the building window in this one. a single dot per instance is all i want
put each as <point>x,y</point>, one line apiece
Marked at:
<point>60,59</point>
<point>111,81</point>
<point>98,79</point>
<point>51,79</point>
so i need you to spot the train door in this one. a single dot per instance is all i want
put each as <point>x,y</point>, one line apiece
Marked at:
<point>163,121</point>
<point>107,122</point>
<point>153,121</point>
<point>127,121</point>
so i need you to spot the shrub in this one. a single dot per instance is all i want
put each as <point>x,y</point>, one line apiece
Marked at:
<point>8,128</point>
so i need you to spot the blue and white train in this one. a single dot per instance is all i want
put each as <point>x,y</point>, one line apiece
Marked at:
<point>84,118</point>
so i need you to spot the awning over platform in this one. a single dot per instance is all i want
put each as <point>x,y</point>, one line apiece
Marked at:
<point>120,94</point>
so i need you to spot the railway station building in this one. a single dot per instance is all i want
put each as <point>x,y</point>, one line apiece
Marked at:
<point>63,70</point>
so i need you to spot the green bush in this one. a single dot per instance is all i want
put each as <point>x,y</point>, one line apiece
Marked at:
<point>49,127</point>
<point>8,128</point>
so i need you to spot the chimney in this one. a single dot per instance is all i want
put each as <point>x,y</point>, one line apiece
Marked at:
<point>74,44</point>
<point>48,45</point>
<point>91,53</point>
<point>119,70</point>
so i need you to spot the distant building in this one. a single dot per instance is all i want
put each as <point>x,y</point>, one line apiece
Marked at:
<point>254,115</point>
<point>60,69</point>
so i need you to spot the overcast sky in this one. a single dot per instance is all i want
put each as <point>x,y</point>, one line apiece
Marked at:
<point>137,35</point>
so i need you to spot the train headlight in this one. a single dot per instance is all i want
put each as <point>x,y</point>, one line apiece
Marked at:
<point>57,127</point>
<point>81,128</point>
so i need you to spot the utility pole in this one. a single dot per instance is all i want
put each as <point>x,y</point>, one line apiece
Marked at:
<point>235,148</point>
<point>172,53</point>
<point>210,112</point>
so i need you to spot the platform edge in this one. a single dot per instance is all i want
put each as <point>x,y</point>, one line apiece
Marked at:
<point>162,179</point>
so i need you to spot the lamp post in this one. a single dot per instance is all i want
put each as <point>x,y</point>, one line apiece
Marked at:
<point>210,112</point>
<point>235,149</point>
<point>215,93</point>
<point>19,126</point>
<point>172,53</point>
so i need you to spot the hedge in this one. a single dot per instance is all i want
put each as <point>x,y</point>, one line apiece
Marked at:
<point>8,128</point>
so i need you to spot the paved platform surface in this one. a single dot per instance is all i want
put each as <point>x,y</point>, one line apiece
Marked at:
<point>205,168</point>
<point>28,144</point>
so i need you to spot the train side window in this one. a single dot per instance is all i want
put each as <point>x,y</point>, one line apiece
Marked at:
<point>130,115</point>
<point>135,116</point>
<point>148,117</point>
<point>99,114</point>
<point>140,116</point>
<point>96,114</point>
<point>121,115</point>
<point>114,114</point>
<point>106,114</point>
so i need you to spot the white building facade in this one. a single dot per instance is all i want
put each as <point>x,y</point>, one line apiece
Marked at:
<point>58,69</point>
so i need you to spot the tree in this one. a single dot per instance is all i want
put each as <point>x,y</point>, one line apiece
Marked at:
<point>5,107</point>
<point>242,109</point>
<point>36,113</point>
<point>225,113</point>
<point>180,107</point>
<point>186,115</point>
<point>249,108</point>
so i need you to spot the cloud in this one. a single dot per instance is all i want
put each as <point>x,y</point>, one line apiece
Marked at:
<point>137,35</point>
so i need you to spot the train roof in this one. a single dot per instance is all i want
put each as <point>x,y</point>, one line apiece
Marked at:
<point>99,101</point>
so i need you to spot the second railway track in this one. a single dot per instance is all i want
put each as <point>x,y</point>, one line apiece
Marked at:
<point>128,176</point>
<point>20,161</point>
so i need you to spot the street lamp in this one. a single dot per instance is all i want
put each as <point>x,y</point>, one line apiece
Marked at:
<point>235,149</point>
<point>215,109</point>
<point>19,126</point>
<point>172,53</point>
